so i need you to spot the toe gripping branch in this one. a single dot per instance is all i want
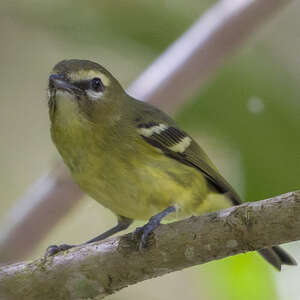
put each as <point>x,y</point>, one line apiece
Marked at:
<point>152,224</point>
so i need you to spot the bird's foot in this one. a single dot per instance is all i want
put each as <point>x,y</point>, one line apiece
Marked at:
<point>146,230</point>
<point>53,249</point>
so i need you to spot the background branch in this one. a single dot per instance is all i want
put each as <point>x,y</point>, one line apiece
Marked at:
<point>194,57</point>
<point>48,200</point>
<point>184,67</point>
<point>101,269</point>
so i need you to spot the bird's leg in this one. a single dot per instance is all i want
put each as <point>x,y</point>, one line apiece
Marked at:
<point>123,223</point>
<point>152,224</point>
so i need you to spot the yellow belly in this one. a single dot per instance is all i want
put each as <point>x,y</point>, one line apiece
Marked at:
<point>140,191</point>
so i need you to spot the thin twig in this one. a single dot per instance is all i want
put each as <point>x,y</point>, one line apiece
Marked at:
<point>100,269</point>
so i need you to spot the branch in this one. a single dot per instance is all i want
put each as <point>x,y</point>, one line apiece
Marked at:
<point>184,67</point>
<point>48,200</point>
<point>194,56</point>
<point>100,269</point>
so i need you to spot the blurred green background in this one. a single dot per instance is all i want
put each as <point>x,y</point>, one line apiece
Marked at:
<point>246,117</point>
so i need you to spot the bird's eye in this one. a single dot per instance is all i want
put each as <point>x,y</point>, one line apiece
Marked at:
<point>97,85</point>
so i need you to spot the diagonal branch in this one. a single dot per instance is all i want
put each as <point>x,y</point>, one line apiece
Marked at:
<point>185,66</point>
<point>100,269</point>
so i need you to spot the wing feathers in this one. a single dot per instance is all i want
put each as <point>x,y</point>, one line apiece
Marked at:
<point>176,144</point>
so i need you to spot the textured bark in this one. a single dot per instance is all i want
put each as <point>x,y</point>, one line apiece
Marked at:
<point>99,269</point>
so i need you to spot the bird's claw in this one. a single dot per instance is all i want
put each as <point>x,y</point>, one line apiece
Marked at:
<point>145,231</point>
<point>54,249</point>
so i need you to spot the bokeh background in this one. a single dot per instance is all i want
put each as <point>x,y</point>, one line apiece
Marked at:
<point>246,117</point>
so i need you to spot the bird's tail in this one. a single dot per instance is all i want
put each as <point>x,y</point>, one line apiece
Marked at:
<point>276,256</point>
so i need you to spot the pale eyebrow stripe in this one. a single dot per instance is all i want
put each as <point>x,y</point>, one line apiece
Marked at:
<point>90,74</point>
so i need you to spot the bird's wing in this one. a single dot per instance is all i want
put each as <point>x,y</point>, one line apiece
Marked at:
<point>178,145</point>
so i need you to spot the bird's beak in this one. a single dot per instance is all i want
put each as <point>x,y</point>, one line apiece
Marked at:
<point>58,82</point>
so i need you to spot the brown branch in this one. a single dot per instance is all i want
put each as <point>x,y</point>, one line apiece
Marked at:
<point>100,269</point>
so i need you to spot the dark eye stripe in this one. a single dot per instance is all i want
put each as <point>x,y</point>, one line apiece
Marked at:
<point>89,84</point>
<point>82,84</point>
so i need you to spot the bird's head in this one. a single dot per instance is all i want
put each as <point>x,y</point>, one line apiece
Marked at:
<point>83,87</point>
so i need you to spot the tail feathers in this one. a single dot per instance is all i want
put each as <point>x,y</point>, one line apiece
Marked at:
<point>276,256</point>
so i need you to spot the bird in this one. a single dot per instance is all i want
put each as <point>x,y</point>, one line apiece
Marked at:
<point>131,157</point>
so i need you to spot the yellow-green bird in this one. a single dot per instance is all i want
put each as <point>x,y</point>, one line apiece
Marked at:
<point>131,157</point>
